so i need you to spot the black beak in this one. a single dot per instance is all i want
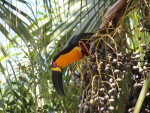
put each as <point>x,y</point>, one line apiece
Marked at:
<point>57,82</point>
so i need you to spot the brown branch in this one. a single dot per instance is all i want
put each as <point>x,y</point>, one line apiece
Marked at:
<point>114,14</point>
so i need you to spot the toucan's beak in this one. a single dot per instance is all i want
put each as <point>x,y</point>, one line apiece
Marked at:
<point>57,82</point>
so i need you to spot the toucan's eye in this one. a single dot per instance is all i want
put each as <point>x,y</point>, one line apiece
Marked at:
<point>54,64</point>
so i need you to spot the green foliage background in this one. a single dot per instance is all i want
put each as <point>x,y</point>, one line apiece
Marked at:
<point>31,33</point>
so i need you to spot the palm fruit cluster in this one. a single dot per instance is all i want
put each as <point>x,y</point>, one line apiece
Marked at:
<point>112,78</point>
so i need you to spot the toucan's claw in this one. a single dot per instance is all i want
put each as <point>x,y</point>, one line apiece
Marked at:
<point>57,82</point>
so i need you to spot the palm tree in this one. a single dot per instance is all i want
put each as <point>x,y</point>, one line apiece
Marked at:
<point>33,32</point>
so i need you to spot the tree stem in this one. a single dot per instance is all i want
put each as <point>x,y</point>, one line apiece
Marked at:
<point>142,95</point>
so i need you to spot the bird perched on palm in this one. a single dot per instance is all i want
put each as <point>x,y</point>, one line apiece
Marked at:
<point>76,49</point>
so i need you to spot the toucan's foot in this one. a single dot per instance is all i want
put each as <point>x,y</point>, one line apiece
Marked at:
<point>57,82</point>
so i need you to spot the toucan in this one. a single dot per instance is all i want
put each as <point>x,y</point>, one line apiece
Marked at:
<point>76,49</point>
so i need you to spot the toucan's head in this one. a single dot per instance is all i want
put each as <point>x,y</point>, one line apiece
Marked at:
<point>62,61</point>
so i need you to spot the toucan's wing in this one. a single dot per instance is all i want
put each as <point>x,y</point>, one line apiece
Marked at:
<point>84,36</point>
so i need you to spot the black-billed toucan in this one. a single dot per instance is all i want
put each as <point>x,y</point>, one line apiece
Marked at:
<point>76,49</point>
